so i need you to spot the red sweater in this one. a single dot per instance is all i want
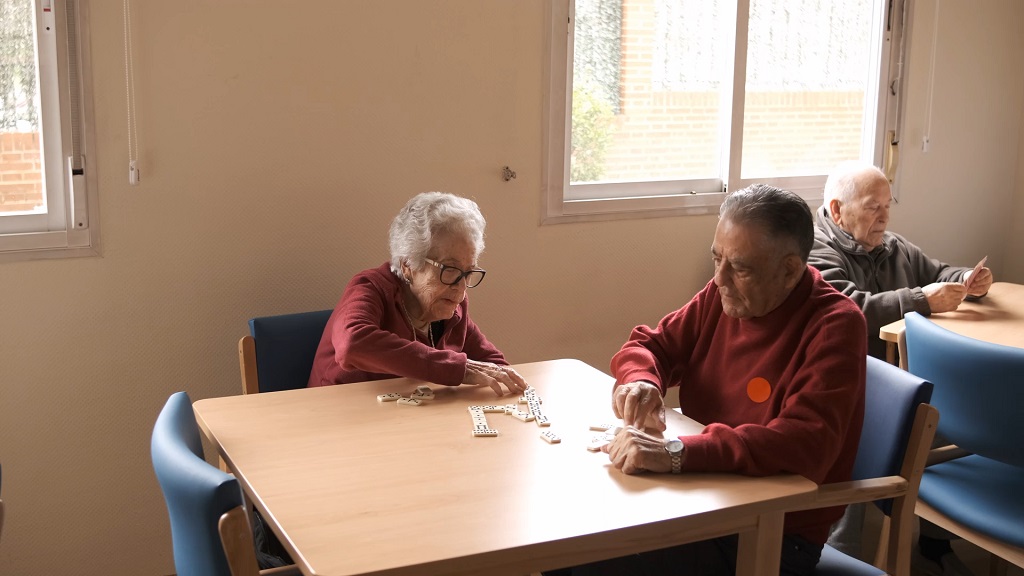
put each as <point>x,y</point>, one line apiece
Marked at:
<point>369,338</point>
<point>806,358</point>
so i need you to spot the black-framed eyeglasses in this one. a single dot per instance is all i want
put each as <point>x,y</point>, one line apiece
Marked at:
<point>450,275</point>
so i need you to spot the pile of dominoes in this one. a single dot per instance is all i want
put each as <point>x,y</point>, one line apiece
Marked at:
<point>481,429</point>
<point>608,432</point>
<point>533,413</point>
<point>418,396</point>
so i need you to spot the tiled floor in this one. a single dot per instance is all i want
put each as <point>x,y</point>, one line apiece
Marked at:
<point>975,558</point>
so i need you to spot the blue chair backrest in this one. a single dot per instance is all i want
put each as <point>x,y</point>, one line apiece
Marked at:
<point>891,398</point>
<point>979,388</point>
<point>196,493</point>
<point>285,347</point>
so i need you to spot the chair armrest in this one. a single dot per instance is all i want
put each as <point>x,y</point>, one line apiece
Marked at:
<point>247,365</point>
<point>945,454</point>
<point>236,539</point>
<point>855,491</point>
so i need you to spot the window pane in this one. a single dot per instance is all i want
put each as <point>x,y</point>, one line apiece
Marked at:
<point>647,76</point>
<point>21,179</point>
<point>808,64</point>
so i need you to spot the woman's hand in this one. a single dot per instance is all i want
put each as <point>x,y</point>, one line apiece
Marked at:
<point>494,376</point>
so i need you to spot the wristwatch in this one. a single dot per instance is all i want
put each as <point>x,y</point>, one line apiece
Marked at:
<point>675,452</point>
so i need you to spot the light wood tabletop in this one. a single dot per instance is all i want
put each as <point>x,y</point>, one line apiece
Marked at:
<point>356,486</point>
<point>998,317</point>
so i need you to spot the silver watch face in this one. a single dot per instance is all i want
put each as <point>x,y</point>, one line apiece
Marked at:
<point>674,446</point>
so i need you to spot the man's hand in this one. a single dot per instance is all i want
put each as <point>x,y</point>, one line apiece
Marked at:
<point>946,296</point>
<point>634,451</point>
<point>639,404</point>
<point>494,376</point>
<point>978,286</point>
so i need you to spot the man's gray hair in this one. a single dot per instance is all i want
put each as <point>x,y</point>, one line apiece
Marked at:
<point>842,181</point>
<point>426,215</point>
<point>783,216</point>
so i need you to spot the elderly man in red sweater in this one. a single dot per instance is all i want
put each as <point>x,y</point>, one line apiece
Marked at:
<point>769,357</point>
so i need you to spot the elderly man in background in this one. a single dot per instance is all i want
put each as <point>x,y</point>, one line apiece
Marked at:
<point>770,358</point>
<point>887,277</point>
<point>881,271</point>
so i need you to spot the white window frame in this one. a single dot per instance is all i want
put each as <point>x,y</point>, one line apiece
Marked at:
<point>70,225</point>
<point>563,202</point>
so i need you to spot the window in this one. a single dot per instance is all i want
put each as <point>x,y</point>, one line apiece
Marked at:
<point>662,106</point>
<point>46,187</point>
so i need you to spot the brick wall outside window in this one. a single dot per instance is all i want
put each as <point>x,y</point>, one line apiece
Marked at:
<point>669,134</point>
<point>660,132</point>
<point>21,180</point>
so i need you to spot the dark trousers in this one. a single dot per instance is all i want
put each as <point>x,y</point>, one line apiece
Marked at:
<point>706,558</point>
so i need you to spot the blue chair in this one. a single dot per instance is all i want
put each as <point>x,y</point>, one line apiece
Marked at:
<point>210,530</point>
<point>278,353</point>
<point>979,390</point>
<point>898,429</point>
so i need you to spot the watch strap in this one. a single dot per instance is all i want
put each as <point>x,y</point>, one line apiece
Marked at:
<point>676,456</point>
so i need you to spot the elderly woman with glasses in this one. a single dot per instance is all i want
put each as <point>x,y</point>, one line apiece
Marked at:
<point>409,317</point>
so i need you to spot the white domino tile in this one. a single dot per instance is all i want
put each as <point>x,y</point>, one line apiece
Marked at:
<point>390,397</point>
<point>409,402</point>
<point>550,437</point>
<point>480,426</point>
<point>524,416</point>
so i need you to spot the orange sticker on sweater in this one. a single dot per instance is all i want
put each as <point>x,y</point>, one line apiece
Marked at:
<point>758,389</point>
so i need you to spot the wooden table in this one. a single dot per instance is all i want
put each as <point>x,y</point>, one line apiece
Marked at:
<point>997,318</point>
<point>354,486</point>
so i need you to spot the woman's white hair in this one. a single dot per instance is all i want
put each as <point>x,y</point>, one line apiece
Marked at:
<point>426,215</point>
<point>842,181</point>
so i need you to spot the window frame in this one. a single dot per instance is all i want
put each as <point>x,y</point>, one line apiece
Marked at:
<point>70,226</point>
<point>612,201</point>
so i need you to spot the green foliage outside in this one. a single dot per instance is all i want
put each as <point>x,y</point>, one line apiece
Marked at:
<point>591,133</point>
<point>17,66</point>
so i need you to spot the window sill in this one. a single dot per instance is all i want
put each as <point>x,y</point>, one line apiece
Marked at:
<point>47,245</point>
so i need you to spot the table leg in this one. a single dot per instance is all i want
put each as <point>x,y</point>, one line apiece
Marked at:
<point>760,549</point>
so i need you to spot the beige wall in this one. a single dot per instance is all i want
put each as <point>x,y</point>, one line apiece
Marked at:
<point>1015,266</point>
<point>955,199</point>
<point>277,141</point>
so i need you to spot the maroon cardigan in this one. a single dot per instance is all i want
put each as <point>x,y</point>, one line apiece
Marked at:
<point>369,338</point>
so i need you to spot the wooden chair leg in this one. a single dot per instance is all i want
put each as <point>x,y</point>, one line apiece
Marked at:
<point>881,553</point>
<point>890,353</point>
<point>902,350</point>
